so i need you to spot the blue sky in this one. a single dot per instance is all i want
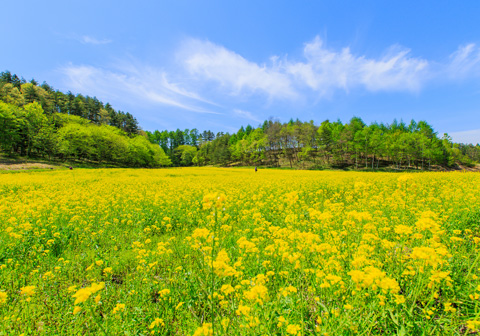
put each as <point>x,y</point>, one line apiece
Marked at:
<point>221,64</point>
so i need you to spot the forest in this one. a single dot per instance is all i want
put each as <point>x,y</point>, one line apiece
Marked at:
<point>40,122</point>
<point>331,144</point>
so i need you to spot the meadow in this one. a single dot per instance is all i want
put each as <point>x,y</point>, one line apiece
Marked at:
<point>211,251</point>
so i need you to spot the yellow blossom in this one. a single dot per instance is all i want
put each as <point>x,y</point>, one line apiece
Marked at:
<point>225,322</point>
<point>399,299</point>
<point>281,321</point>
<point>293,329</point>
<point>120,307</point>
<point>3,297</point>
<point>227,289</point>
<point>157,322</point>
<point>83,294</point>
<point>164,292</point>
<point>243,310</point>
<point>27,290</point>
<point>473,325</point>
<point>204,330</point>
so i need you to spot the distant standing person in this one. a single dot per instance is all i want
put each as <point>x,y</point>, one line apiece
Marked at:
<point>255,169</point>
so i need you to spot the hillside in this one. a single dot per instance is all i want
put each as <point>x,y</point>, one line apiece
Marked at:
<point>40,123</point>
<point>305,145</point>
<point>45,124</point>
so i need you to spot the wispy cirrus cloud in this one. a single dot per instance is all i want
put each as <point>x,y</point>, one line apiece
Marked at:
<point>237,75</point>
<point>128,81</point>
<point>464,62</point>
<point>321,70</point>
<point>325,70</point>
<point>246,115</point>
<point>85,39</point>
<point>211,78</point>
<point>467,137</point>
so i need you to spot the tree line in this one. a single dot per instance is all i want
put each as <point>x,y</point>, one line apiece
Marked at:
<point>330,144</point>
<point>19,92</point>
<point>39,122</point>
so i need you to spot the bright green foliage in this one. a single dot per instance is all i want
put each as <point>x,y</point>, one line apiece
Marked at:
<point>332,144</point>
<point>11,95</point>
<point>9,127</point>
<point>295,143</point>
<point>186,154</point>
<point>29,131</point>
<point>18,92</point>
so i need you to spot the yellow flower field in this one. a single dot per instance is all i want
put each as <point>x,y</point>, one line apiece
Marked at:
<point>211,251</point>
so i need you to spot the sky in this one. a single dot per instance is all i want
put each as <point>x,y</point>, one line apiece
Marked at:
<point>218,65</point>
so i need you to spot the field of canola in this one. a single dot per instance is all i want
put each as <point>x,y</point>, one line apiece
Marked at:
<point>206,251</point>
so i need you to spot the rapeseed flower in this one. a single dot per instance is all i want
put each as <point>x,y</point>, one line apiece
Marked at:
<point>83,294</point>
<point>157,322</point>
<point>28,290</point>
<point>120,307</point>
<point>204,330</point>
<point>293,329</point>
<point>335,243</point>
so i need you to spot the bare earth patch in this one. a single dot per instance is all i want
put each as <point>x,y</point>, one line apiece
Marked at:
<point>21,166</point>
<point>16,164</point>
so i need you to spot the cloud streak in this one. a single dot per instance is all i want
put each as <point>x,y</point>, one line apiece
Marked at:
<point>208,73</point>
<point>234,73</point>
<point>245,115</point>
<point>467,137</point>
<point>322,70</point>
<point>92,40</point>
<point>325,70</point>
<point>142,84</point>
<point>464,62</point>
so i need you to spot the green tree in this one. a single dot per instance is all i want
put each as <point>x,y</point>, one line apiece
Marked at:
<point>11,95</point>
<point>35,121</point>
<point>75,141</point>
<point>10,127</point>
<point>185,154</point>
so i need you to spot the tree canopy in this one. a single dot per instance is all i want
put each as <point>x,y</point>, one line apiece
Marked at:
<point>39,121</point>
<point>19,92</point>
<point>331,144</point>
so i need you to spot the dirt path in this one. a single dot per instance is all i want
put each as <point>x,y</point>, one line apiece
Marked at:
<point>12,164</point>
<point>22,166</point>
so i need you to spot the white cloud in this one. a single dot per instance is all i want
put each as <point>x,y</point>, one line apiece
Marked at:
<point>238,75</point>
<point>326,70</point>
<point>245,115</point>
<point>213,70</point>
<point>143,84</point>
<point>470,136</point>
<point>465,62</point>
<point>92,40</point>
<point>322,70</point>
